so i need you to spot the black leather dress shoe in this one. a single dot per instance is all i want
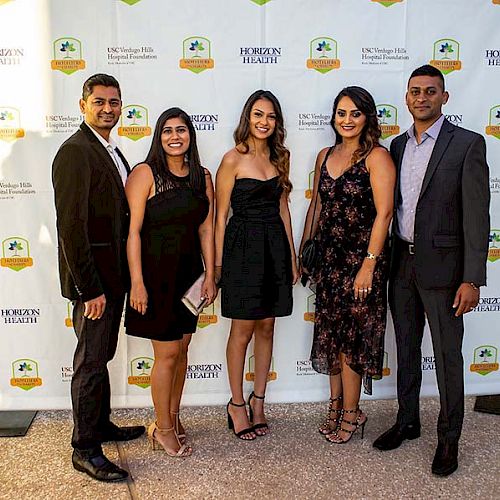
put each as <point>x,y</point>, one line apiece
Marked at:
<point>446,459</point>
<point>98,467</point>
<point>392,439</point>
<point>115,433</point>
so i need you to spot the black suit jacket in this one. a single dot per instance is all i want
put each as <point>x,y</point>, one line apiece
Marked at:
<point>92,219</point>
<point>452,214</point>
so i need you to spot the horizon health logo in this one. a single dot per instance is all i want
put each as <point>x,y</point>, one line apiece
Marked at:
<point>250,375</point>
<point>196,54</point>
<point>67,55</point>
<point>310,308</point>
<point>16,253</point>
<point>10,124</point>
<point>207,317</point>
<point>2,2</point>
<point>68,320</point>
<point>493,127</point>
<point>387,115</point>
<point>494,245</point>
<point>485,360</point>
<point>387,3</point>
<point>25,374</point>
<point>140,371</point>
<point>446,55</point>
<point>323,53</point>
<point>134,122</point>
<point>131,2</point>
<point>497,2</point>
<point>260,2</point>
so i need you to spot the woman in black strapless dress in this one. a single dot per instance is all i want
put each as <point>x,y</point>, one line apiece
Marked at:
<point>255,251</point>
<point>171,228</point>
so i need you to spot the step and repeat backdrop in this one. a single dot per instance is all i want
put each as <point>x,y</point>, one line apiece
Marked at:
<point>207,57</point>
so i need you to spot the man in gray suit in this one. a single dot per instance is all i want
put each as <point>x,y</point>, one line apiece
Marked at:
<point>440,246</point>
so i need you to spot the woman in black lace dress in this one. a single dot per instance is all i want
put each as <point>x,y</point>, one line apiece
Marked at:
<point>354,181</point>
<point>255,250</point>
<point>171,228</point>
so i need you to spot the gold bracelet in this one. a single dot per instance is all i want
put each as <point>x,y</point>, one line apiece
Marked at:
<point>371,256</point>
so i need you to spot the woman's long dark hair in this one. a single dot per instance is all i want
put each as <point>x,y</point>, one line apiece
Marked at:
<point>371,132</point>
<point>278,153</point>
<point>157,159</point>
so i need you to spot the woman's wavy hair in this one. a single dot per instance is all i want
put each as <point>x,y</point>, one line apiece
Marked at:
<point>371,132</point>
<point>157,159</point>
<point>279,155</point>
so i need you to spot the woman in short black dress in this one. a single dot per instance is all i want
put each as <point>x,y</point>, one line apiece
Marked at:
<point>355,183</point>
<point>171,227</point>
<point>255,250</point>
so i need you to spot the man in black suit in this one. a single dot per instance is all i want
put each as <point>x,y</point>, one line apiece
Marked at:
<point>88,174</point>
<point>440,246</point>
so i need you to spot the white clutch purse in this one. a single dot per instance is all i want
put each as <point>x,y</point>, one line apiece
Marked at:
<point>192,299</point>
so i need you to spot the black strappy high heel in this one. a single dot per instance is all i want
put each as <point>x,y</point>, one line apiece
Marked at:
<point>230,424</point>
<point>263,427</point>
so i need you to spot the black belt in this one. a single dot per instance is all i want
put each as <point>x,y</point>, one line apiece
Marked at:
<point>405,246</point>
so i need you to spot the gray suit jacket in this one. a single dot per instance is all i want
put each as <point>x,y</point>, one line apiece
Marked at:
<point>452,215</point>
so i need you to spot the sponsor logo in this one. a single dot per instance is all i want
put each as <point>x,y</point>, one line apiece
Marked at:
<point>488,304</point>
<point>323,55</point>
<point>57,124</point>
<point>196,54</point>
<point>140,372</point>
<point>260,2</point>
<point>304,367</point>
<point>310,307</point>
<point>134,122</point>
<point>67,55</point>
<point>260,55</point>
<point>493,127</point>
<point>497,2</point>
<point>485,360</point>
<point>313,121</point>
<point>386,371</point>
<point>66,373</point>
<point>494,245</point>
<point>492,57</point>
<point>495,185</point>
<point>8,190</point>
<point>387,3</point>
<point>11,56</point>
<point>130,55</point>
<point>131,2</point>
<point>16,253</point>
<point>68,320</point>
<point>446,55</point>
<point>26,315</point>
<point>428,363</point>
<point>207,317</point>
<point>25,374</point>
<point>383,55</point>
<point>3,2</point>
<point>209,370</point>
<point>250,375</point>
<point>205,122</point>
<point>455,119</point>
<point>309,191</point>
<point>10,124</point>
<point>387,115</point>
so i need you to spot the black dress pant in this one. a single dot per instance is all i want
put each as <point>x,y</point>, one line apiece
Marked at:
<point>410,304</point>
<point>90,389</point>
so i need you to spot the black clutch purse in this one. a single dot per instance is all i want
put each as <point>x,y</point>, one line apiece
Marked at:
<point>310,255</point>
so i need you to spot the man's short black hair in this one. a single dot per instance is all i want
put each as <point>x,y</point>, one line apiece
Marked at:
<point>428,70</point>
<point>99,79</point>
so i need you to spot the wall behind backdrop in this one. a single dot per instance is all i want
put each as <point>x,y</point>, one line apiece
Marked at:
<point>207,57</point>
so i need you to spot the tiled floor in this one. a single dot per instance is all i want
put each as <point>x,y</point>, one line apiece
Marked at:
<point>293,462</point>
